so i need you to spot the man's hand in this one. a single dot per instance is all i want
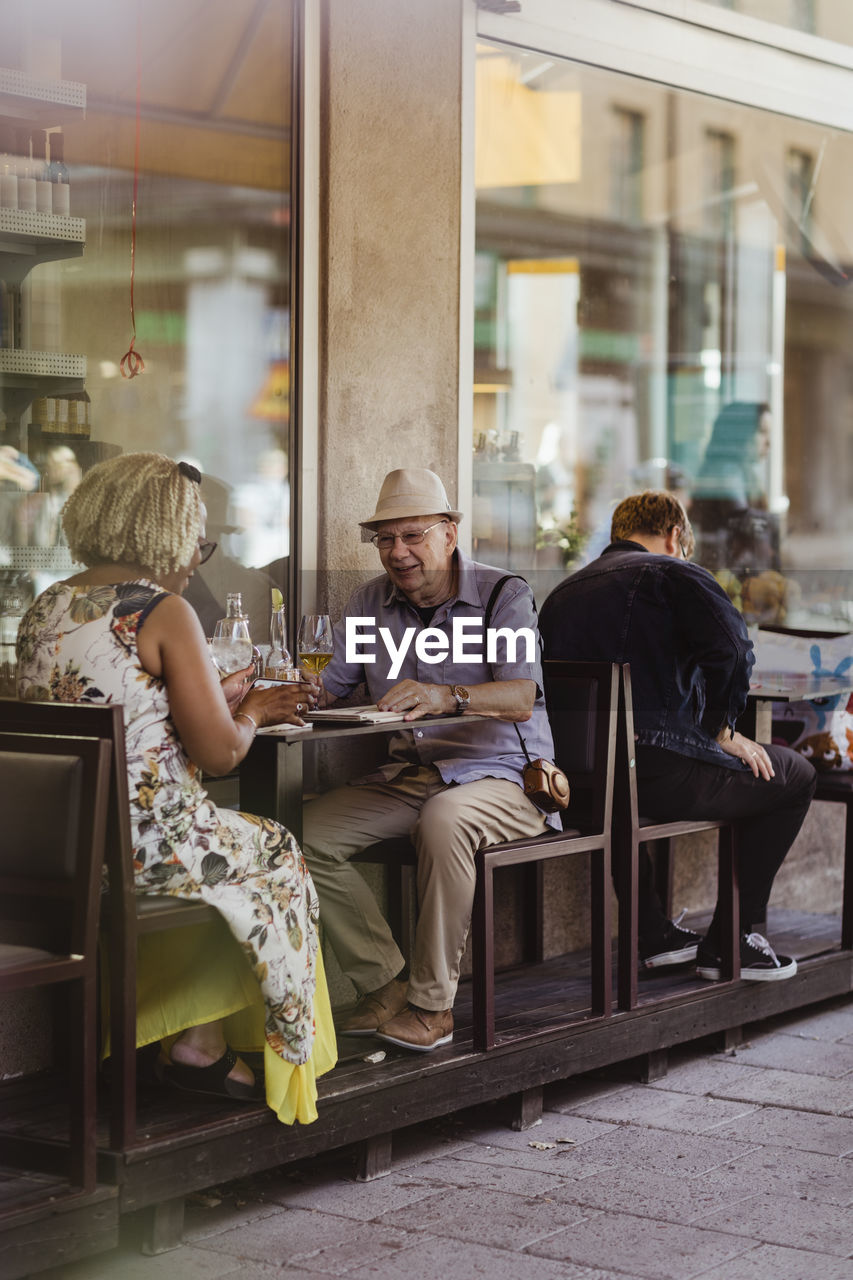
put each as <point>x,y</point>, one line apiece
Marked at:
<point>511,700</point>
<point>751,752</point>
<point>323,697</point>
<point>418,699</point>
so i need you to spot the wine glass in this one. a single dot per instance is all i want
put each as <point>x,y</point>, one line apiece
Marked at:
<point>231,646</point>
<point>315,644</point>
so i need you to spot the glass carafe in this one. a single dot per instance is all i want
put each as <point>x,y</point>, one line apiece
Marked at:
<point>231,647</point>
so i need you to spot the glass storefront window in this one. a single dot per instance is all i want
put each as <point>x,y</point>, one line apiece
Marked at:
<point>211,272</point>
<point>663,298</point>
<point>826,18</point>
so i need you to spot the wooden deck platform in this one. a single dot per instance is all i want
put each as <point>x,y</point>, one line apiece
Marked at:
<point>76,1226</point>
<point>191,1143</point>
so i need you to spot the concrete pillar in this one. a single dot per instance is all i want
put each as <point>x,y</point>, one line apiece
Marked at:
<point>389,288</point>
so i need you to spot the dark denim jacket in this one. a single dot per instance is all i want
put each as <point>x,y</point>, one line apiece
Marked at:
<point>687,645</point>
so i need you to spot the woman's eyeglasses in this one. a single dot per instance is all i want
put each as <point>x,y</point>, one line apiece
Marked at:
<point>207,548</point>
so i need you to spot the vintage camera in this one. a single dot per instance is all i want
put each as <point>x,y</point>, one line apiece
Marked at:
<point>546,785</point>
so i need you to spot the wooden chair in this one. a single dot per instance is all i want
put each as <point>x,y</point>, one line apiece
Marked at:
<point>837,788</point>
<point>398,857</point>
<point>125,915</point>
<point>834,788</point>
<point>582,700</point>
<point>632,830</point>
<point>54,795</point>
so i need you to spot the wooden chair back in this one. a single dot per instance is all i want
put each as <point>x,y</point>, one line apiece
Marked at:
<point>631,829</point>
<point>837,788</point>
<point>125,914</point>
<point>582,700</point>
<point>54,793</point>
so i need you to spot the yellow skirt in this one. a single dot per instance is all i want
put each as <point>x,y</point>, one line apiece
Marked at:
<point>199,974</point>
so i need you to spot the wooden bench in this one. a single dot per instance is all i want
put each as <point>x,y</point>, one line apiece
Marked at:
<point>53,797</point>
<point>125,914</point>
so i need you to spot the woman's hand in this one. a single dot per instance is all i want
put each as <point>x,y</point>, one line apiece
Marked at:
<point>172,646</point>
<point>281,703</point>
<point>236,686</point>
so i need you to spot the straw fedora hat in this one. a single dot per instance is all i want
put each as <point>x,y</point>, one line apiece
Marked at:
<point>410,491</point>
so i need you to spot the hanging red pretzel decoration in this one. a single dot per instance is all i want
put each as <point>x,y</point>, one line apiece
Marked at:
<point>131,363</point>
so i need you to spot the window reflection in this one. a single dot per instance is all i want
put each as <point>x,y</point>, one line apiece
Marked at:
<point>211,287</point>
<point>668,304</point>
<point>828,20</point>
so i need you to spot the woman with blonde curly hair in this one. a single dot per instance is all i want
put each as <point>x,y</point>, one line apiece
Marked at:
<point>120,632</point>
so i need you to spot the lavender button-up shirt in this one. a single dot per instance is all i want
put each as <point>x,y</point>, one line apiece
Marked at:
<point>462,752</point>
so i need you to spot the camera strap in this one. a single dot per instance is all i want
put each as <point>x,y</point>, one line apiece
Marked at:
<point>496,590</point>
<point>541,778</point>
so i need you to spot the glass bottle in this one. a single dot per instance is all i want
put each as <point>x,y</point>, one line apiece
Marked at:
<point>8,171</point>
<point>7,316</point>
<point>44,187</point>
<point>231,647</point>
<point>59,176</point>
<point>11,613</point>
<point>279,663</point>
<point>26,173</point>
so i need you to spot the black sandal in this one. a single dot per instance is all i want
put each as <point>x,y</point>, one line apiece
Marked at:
<point>212,1081</point>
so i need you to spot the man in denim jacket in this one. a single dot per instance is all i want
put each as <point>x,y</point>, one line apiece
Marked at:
<point>641,602</point>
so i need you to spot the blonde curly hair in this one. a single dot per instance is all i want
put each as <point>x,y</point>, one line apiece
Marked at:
<point>137,509</point>
<point>654,511</point>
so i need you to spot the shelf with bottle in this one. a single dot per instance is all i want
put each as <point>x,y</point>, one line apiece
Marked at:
<point>26,97</point>
<point>37,559</point>
<point>24,232</point>
<point>33,175</point>
<point>20,366</point>
<point>26,376</point>
<point>62,415</point>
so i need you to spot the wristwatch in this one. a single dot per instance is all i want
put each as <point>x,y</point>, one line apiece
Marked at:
<point>462,696</point>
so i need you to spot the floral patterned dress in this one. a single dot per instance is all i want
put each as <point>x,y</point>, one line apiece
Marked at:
<point>79,644</point>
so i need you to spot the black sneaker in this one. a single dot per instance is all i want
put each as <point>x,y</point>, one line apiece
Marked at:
<point>673,945</point>
<point>758,961</point>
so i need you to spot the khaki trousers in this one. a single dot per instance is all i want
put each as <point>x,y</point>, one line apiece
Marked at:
<point>447,824</point>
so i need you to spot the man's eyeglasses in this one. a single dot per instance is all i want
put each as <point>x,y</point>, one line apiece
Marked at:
<point>385,541</point>
<point>207,548</point>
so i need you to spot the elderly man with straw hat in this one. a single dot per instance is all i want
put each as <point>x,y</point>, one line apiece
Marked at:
<point>454,785</point>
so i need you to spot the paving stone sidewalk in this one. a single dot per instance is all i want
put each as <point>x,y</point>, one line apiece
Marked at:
<point>734,1166</point>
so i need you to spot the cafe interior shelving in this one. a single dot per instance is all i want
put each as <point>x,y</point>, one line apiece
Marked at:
<point>27,239</point>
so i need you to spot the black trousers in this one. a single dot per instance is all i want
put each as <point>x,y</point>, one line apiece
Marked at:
<point>768,814</point>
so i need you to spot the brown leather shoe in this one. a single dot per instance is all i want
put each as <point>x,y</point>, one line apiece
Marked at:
<point>419,1029</point>
<point>374,1008</point>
